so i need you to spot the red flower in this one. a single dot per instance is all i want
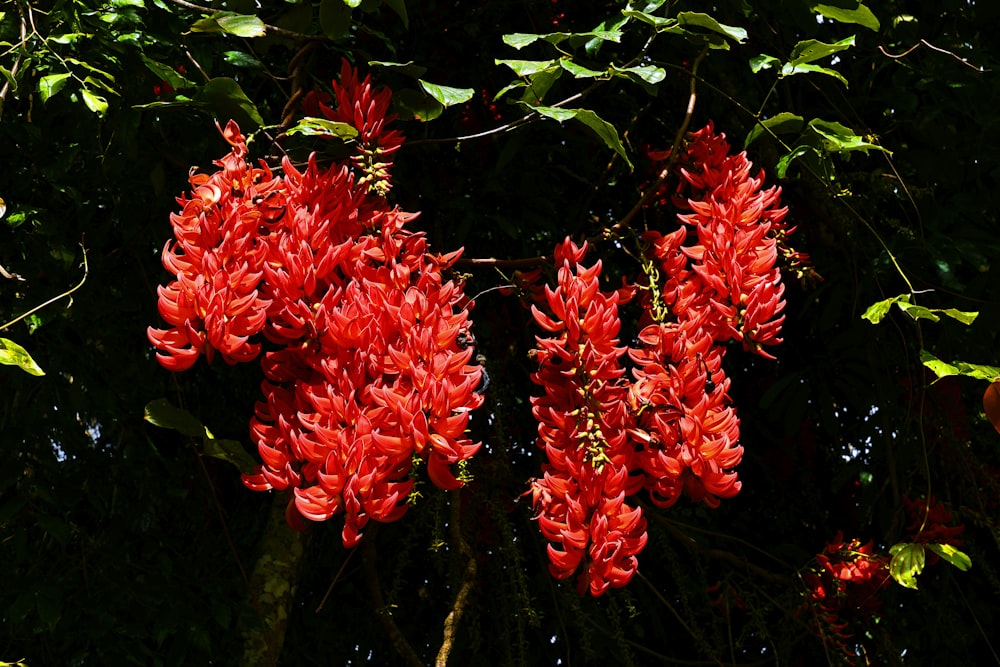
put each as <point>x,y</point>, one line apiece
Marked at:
<point>368,371</point>
<point>365,109</point>
<point>582,426</point>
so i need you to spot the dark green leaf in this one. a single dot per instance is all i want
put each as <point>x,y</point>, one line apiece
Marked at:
<point>539,84</point>
<point>12,354</point>
<point>334,18</point>
<point>658,22</point>
<point>605,130</point>
<point>166,73</point>
<point>408,69</point>
<point>231,451</point>
<point>224,97</point>
<point>240,59</point>
<point>164,414</point>
<point>781,168</point>
<point>838,138</point>
<point>399,6</point>
<point>417,104</point>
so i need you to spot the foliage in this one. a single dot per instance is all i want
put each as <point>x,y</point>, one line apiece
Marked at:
<point>868,457</point>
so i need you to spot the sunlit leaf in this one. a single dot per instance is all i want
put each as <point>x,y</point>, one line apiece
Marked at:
<point>579,71</point>
<point>839,138</point>
<point>858,14</point>
<point>445,95</point>
<point>240,25</point>
<point>949,553</point>
<point>12,354</point>
<point>810,50</point>
<point>781,168</point>
<point>51,84</point>
<point>94,102</point>
<point>408,69</point>
<point>783,123</point>
<point>709,23</point>
<point>527,67</point>
<point>648,73</point>
<point>789,69</point>
<point>762,62</point>
<point>943,369</point>
<point>322,127</point>
<point>907,562</point>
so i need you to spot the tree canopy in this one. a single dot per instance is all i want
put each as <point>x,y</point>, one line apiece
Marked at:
<point>464,331</point>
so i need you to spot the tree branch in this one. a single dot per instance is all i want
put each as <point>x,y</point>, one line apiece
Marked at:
<point>468,579</point>
<point>392,630</point>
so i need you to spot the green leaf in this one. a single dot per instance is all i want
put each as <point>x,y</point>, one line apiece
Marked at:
<point>239,59</point>
<point>321,127</point>
<point>602,128</point>
<point>858,14</point>
<point>417,104</point>
<point>399,6</point>
<point>783,123</point>
<point>579,71</point>
<point>942,369</point>
<point>539,84</point>
<point>51,84</point>
<point>240,25</point>
<point>907,562</point>
<point>334,18</point>
<point>353,4</point>
<point>407,69</point>
<point>95,103</point>
<point>445,95</point>
<point>809,50</point>
<point>709,23</point>
<point>763,62</point>
<point>519,40</point>
<point>166,73</point>
<point>918,312</point>
<point>877,311</point>
<point>781,168</point>
<point>963,316</point>
<point>788,69</point>
<point>952,555</point>
<point>648,73</point>
<point>658,22</point>
<point>227,100</point>
<point>68,38</point>
<point>231,451</point>
<point>12,354</point>
<point>839,138</point>
<point>527,67</point>
<point>164,414</point>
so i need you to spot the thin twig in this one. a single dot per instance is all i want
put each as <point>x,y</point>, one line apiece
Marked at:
<point>395,635</point>
<point>930,46</point>
<point>674,149</point>
<point>17,63</point>
<point>468,579</point>
<point>55,298</point>
<point>336,578</point>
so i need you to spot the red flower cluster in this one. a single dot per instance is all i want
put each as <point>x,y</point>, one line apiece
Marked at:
<point>844,587</point>
<point>711,280</point>
<point>928,523</point>
<point>583,421</point>
<point>672,429</point>
<point>370,364</point>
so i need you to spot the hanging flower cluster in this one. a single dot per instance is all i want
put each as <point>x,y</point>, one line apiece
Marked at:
<point>672,429</point>
<point>844,588</point>
<point>583,427</point>
<point>369,364</point>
